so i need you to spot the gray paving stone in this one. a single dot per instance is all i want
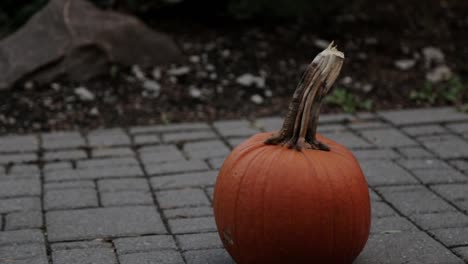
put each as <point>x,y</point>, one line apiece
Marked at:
<point>405,247</point>
<point>94,223</point>
<point>394,224</point>
<point>112,152</point>
<point>69,185</point>
<point>61,165</point>
<point>210,191</point>
<point>439,176</point>
<point>388,138</point>
<point>206,149</point>
<point>188,212</point>
<point>62,140</point>
<point>184,180</point>
<point>15,143</point>
<point>64,155</point>
<point>368,125</point>
<point>108,137</point>
<point>452,192</point>
<point>448,147</point>
<point>335,118</point>
<point>94,173</point>
<point>368,154</point>
<point>21,237</point>
<point>162,153</point>
<point>176,167</point>
<point>80,245</point>
<point>268,124</point>
<point>414,200</point>
<point>374,196</point>
<point>348,139</point>
<point>462,252</point>
<point>461,165</point>
<point>170,128</point>
<point>199,241</point>
<point>235,128</point>
<point>20,204</point>
<point>145,243</point>
<point>440,220</point>
<point>24,169</point>
<point>365,116</point>
<point>182,198</point>
<point>208,256</point>
<point>188,136</point>
<point>415,153</point>
<point>25,254</point>
<point>425,130</point>
<point>379,173</point>
<point>126,198</point>
<point>192,225</point>
<point>85,256</point>
<point>23,220</point>
<point>216,163</point>
<point>70,199</point>
<point>146,139</point>
<point>332,128</point>
<point>451,237</point>
<point>234,142</point>
<point>433,164</point>
<point>112,162</point>
<point>160,257</point>
<point>116,185</point>
<point>17,158</point>
<point>15,188</point>
<point>461,128</point>
<point>381,209</point>
<point>423,116</point>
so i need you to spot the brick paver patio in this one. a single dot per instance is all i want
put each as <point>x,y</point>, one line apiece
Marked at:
<point>144,194</point>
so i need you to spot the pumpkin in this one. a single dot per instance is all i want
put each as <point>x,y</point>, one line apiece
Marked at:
<point>294,196</point>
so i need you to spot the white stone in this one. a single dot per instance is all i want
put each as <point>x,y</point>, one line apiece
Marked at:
<point>84,94</point>
<point>152,86</point>
<point>248,79</point>
<point>432,55</point>
<point>404,64</point>
<point>268,93</point>
<point>194,59</point>
<point>195,92</point>
<point>439,73</point>
<point>156,73</point>
<point>347,80</point>
<point>94,111</point>
<point>179,71</point>
<point>138,73</point>
<point>55,86</point>
<point>257,99</point>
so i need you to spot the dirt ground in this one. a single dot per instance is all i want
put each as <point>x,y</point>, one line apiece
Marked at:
<point>250,69</point>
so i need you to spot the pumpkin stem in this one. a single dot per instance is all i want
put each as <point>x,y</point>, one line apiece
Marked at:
<point>300,125</point>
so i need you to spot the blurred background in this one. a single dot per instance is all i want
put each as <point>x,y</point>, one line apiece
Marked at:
<point>68,64</point>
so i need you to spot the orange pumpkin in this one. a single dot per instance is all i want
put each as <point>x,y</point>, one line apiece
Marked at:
<point>294,196</point>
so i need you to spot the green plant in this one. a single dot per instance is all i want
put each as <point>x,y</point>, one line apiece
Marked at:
<point>348,101</point>
<point>453,91</point>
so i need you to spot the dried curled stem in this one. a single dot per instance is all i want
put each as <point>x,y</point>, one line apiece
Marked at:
<point>300,125</point>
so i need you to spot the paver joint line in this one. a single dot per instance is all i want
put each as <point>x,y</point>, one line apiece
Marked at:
<point>142,194</point>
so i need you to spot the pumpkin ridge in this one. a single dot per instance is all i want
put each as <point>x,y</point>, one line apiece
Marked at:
<point>265,187</point>
<point>241,182</point>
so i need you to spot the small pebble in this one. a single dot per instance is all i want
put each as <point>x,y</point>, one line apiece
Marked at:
<point>257,99</point>
<point>84,94</point>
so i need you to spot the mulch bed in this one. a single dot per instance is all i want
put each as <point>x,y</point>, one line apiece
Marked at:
<point>221,53</point>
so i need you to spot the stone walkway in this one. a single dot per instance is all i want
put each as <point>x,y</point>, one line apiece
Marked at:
<point>144,194</point>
